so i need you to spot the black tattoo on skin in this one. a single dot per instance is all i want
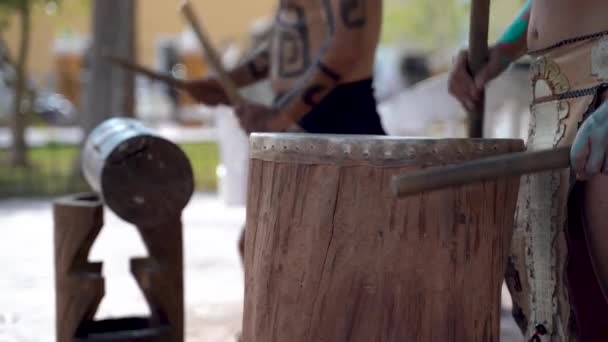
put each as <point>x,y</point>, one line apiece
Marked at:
<point>327,71</point>
<point>293,43</point>
<point>353,13</point>
<point>329,15</point>
<point>313,95</point>
<point>258,67</point>
<point>280,99</point>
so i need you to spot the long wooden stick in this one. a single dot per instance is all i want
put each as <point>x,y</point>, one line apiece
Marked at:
<point>279,123</point>
<point>133,67</point>
<point>479,170</point>
<point>478,55</point>
<point>227,84</point>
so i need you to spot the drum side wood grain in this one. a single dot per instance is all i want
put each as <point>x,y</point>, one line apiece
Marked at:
<point>332,255</point>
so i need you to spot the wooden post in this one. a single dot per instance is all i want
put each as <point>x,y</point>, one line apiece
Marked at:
<point>110,91</point>
<point>332,255</point>
<point>80,284</point>
<point>478,55</point>
<point>161,276</point>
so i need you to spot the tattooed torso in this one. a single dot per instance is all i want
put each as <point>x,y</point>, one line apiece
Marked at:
<point>552,21</point>
<point>301,29</point>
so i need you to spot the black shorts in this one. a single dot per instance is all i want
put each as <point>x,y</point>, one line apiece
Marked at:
<point>349,109</point>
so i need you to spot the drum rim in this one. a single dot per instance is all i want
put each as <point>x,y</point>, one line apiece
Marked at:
<point>343,149</point>
<point>320,136</point>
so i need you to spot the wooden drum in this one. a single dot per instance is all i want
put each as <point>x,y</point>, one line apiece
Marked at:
<point>331,255</point>
<point>144,178</point>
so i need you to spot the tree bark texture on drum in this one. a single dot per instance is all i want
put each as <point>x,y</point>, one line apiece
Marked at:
<point>80,284</point>
<point>143,178</point>
<point>332,255</point>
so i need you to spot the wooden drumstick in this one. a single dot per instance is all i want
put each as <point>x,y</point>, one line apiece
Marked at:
<point>280,123</point>
<point>478,55</point>
<point>479,170</point>
<point>127,64</point>
<point>224,80</point>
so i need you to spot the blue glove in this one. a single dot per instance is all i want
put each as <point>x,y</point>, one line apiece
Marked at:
<point>588,153</point>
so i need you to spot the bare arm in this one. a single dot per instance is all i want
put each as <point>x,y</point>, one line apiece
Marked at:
<point>346,21</point>
<point>511,46</point>
<point>254,68</point>
<point>513,41</point>
<point>251,70</point>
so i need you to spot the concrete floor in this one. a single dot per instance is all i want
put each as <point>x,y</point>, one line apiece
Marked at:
<point>213,283</point>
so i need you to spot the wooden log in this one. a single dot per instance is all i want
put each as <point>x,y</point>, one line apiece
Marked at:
<point>161,276</point>
<point>80,285</point>
<point>143,178</point>
<point>331,255</point>
<point>513,164</point>
<point>478,55</point>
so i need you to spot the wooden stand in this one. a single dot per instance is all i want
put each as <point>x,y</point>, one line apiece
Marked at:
<point>147,181</point>
<point>332,255</point>
<point>78,220</point>
<point>80,284</point>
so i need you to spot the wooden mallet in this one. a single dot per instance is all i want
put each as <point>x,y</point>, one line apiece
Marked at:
<point>479,170</point>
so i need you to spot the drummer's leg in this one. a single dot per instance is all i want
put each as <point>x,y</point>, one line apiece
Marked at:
<point>596,230</point>
<point>588,254</point>
<point>588,303</point>
<point>596,215</point>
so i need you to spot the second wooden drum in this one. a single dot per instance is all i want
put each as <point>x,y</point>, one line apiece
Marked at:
<point>331,255</point>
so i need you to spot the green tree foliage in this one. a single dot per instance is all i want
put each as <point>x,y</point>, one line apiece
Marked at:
<point>24,95</point>
<point>440,23</point>
<point>8,8</point>
<point>60,10</point>
<point>63,15</point>
<point>423,22</point>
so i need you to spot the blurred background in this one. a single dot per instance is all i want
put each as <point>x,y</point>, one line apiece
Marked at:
<point>50,98</point>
